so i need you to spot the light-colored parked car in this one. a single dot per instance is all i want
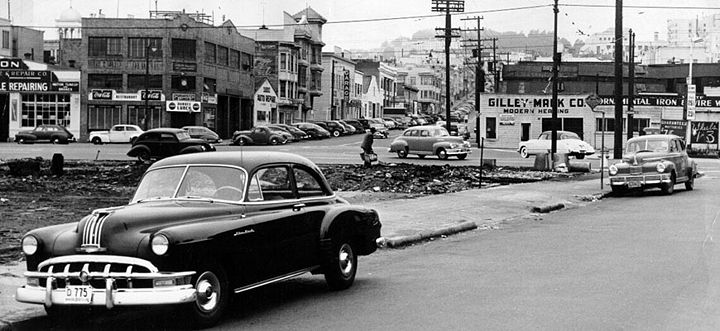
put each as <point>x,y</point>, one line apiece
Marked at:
<point>567,142</point>
<point>120,133</point>
<point>203,133</point>
<point>653,161</point>
<point>429,140</point>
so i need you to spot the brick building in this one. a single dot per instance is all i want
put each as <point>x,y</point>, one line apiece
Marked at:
<point>194,73</point>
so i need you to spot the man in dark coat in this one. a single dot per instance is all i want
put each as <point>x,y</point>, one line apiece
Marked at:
<point>367,145</point>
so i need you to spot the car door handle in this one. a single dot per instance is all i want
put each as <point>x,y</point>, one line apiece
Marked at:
<point>298,207</point>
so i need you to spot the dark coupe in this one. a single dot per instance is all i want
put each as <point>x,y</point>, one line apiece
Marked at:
<point>199,228</point>
<point>163,142</point>
<point>56,134</point>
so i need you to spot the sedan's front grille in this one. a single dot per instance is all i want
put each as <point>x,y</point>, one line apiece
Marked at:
<point>93,229</point>
<point>126,272</point>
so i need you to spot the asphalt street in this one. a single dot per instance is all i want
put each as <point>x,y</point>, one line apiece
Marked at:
<point>640,261</point>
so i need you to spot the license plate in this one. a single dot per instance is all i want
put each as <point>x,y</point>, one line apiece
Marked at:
<point>80,294</point>
<point>633,184</point>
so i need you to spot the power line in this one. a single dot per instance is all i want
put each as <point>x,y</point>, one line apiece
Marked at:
<point>643,7</point>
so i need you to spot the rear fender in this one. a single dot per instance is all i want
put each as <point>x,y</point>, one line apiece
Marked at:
<point>192,149</point>
<point>398,145</point>
<point>246,137</point>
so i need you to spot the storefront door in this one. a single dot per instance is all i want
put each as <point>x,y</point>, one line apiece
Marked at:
<point>4,118</point>
<point>525,136</point>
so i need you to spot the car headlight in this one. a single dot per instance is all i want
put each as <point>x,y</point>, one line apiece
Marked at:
<point>660,167</point>
<point>29,245</point>
<point>613,170</point>
<point>160,244</point>
<point>453,145</point>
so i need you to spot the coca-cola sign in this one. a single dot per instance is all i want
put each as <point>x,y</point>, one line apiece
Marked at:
<point>101,94</point>
<point>152,95</point>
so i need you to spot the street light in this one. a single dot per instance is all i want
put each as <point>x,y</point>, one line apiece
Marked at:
<point>602,147</point>
<point>149,48</point>
<point>690,93</point>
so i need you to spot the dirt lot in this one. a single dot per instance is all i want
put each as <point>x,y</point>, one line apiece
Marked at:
<point>32,201</point>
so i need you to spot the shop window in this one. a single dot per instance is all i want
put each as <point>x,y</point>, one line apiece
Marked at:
<point>210,53</point>
<point>184,49</point>
<point>137,82</point>
<point>490,128</point>
<point>105,81</point>
<point>135,115</point>
<point>103,117</point>
<point>104,46</point>
<point>138,46</point>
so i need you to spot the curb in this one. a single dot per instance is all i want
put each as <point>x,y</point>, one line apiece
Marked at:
<point>548,208</point>
<point>400,241</point>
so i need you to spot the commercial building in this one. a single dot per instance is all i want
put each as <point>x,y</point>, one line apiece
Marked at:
<point>34,93</point>
<point>170,70</point>
<point>290,60</point>
<point>344,97</point>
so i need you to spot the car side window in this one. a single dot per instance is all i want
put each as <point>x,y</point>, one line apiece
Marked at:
<point>681,145</point>
<point>151,137</point>
<point>167,137</point>
<point>117,128</point>
<point>543,136</point>
<point>408,133</point>
<point>424,133</point>
<point>307,185</point>
<point>273,183</point>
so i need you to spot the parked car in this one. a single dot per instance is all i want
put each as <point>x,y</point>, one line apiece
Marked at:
<point>377,124</point>
<point>297,133</point>
<point>293,137</point>
<point>260,135</point>
<point>653,161</point>
<point>335,128</point>
<point>567,142</point>
<point>198,229</point>
<point>359,128</point>
<point>349,129</point>
<point>160,143</point>
<point>429,140</point>
<point>56,134</point>
<point>313,130</point>
<point>453,127</point>
<point>120,133</point>
<point>390,124</point>
<point>395,121</point>
<point>204,133</point>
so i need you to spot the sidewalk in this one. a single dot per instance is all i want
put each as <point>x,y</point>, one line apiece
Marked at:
<point>404,221</point>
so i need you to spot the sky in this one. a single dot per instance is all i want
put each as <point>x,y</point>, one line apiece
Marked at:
<point>576,19</point>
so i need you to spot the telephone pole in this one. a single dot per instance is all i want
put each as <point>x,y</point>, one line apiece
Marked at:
<point>554,103</point>
<point>448,6</point>
<point>618,141</point>
<point>479,74</point>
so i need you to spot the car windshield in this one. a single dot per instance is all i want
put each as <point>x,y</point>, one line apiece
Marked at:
<point>647,145</point>
<point>570,135</point>
<point>183,135</point>
<point>193,182</point>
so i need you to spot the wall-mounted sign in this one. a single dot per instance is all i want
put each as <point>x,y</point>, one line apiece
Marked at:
<point>207,98</point>
<point>183,106</point>
<point>10,64</point>
<point>183,66</point>
<point>154,95</point>
<point>346,85</point>
<point>183,96</point>
<point>507,119</point>
<point>65,86</point>
<point>676,127</point>
<point>704,132</point>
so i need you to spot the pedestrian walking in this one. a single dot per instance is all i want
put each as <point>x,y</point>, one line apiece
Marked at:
<point>367,148</point>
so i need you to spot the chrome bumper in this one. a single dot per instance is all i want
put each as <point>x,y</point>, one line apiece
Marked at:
<point>178,289</point>
<point>456,151</point>
<point>643,180</point>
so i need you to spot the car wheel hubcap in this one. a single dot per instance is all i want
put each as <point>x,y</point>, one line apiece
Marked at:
<point>208,295</point>
<point>346,260</point>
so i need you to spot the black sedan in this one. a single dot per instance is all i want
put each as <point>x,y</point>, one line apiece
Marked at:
<point>313,130</point>
<point>163,142</point>
<point>199,228</point>
<point>56,134</point>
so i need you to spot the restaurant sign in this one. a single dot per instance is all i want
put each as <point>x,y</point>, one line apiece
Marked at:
<point>183,106</point>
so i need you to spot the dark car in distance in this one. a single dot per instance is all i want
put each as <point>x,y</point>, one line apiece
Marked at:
<point>56,134</point>
<point>160,143</point>
<point>313,130</point>
<point>296,133</point>
<point>261,135</point>
<point>655,160</point>
<point>198,229</point>
<point>335,128</point>
<point>359,128</point>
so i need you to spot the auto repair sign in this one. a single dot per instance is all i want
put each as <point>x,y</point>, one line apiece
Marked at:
<point>183,106</point>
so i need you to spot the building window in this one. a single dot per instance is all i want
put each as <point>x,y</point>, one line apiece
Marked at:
<point>138,46</point>
<point>209,85</point>
<point>222,55</point>
<point>104,46</point>
<point>490,128</point>
<point>106,81</point>
<point>283,61</point>
<point>183,49</point>
<point>234,59</point>
<point>246,61</point>
<point>210,57</point>
<point>283,89</point>
<point>137,82</point>
<point>39,109</point>
<point>6,39</point>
